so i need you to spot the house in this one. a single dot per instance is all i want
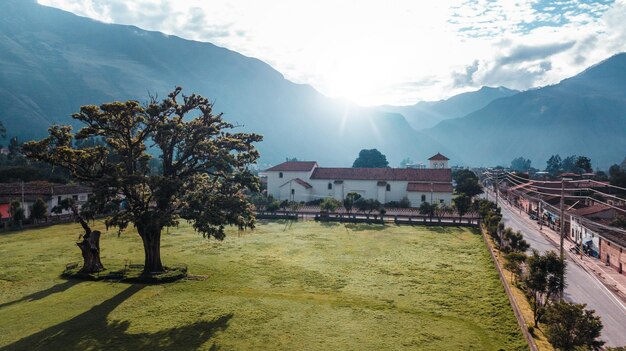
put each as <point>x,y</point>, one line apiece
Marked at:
<point>304,181</point>
<point>581,230</point>
<point>28,193</point>
<point>613,249</point>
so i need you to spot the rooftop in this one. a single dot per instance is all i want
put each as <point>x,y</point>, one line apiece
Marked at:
<point>439,157</point>
<point>402,174</point>
<point>294,166</point>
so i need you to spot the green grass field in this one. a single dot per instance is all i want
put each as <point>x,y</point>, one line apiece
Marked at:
<point>284,286</point>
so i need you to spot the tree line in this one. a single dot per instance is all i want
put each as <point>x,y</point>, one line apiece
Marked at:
<point>568,326</point>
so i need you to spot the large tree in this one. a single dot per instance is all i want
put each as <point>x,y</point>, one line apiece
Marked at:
<point>370,159</point>
<point>203,175</point>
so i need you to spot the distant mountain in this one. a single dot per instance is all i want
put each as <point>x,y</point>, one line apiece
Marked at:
<point>52,62</point>
<point>583,115</point>
<point>426,114</point>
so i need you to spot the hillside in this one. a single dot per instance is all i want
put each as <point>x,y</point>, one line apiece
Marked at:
<point>426,114</point>
<point>583,115</point>
<point>52,62</point>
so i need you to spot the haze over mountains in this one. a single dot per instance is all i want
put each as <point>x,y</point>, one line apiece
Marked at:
<point>52,62</point>
<point>427,114</point>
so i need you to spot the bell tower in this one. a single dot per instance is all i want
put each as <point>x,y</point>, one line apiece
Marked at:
<point>438,161</point>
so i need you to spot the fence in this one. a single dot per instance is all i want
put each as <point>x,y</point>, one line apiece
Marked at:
<point>409,218</point>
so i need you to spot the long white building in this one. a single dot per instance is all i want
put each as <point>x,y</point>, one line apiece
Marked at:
<point>306,181</point>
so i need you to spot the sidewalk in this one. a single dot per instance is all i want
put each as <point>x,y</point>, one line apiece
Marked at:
<point>613,280</point>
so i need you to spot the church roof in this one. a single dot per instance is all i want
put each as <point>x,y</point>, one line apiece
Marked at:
<point>428,187</point>
<point>382,174</point>
<point>294,166</point>
<point>439,157</point>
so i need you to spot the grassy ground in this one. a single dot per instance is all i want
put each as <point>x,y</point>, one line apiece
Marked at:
<point>301,286</point>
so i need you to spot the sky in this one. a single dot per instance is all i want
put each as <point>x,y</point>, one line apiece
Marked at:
<point>394,51</point>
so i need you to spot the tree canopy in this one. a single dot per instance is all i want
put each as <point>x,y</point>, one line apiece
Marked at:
<point>545,279</point>
<point>570,326</point>
<point>520,164</point>
<point>370,159</point>
<point>203,175</point>
<point>467,183</point>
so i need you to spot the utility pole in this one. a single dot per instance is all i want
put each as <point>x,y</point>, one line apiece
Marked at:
<point>562,219</point>
<point>540,214</point>
<point>561,226</point>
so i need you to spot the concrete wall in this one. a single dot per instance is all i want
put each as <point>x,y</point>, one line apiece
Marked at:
<point>613,254</point>
<point>416,198</point>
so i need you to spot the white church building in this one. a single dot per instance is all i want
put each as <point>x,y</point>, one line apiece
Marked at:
<point>303,181</point>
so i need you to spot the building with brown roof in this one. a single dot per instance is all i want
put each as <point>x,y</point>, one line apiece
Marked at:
<point>306,181</point>
<point>28,193</point>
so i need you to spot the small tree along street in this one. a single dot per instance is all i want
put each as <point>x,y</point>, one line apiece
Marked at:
<point>202,178</point>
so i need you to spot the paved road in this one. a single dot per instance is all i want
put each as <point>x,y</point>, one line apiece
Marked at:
<point>582,287</point>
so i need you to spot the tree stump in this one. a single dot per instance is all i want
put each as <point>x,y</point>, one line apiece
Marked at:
<point>90,249</point>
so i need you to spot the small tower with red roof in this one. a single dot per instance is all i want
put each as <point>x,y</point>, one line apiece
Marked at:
<point>438,161</point>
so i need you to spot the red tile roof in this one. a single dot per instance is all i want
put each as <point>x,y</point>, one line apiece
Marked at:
<point>303,183</point>
<point>380,174</point>
<point>35,190</point>
<point>439,157</point>
<point>591,210</point>
<point>428,187</point>
<point>295,166</point>
<point>42,188</point>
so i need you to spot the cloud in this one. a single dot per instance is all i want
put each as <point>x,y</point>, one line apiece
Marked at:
<point>530,53</point>
<point>465,78</point>
<point>374,52</point>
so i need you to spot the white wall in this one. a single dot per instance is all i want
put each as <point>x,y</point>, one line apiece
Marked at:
<point>368,189</point>
<point>300,193</point>
<point>577,230</point>
<point>416,198</point>
<point>274,182</point>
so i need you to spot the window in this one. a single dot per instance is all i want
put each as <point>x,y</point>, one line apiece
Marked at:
<point>330,186</point>
<point>293,191</point>
<point>388,187</point>
<point>59,199</point>
<point>280,175</point>
<point>75,197</point>
<point>423,198</point>
<point>440,201</point>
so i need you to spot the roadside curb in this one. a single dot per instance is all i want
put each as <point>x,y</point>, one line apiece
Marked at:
<point>518,314</point>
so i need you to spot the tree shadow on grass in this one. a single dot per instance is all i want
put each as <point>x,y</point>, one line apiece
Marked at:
<point>91,331</point>
<point>61,287</point>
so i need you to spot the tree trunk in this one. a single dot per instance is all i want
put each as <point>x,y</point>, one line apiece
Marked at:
<point>151,237</point>
<point>90,248</point>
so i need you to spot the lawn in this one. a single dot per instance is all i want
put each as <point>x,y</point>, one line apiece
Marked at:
<point>283,286</point>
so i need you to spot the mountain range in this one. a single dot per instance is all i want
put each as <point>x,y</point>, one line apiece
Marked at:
<point>52,62</point>
<point>427,114</point>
